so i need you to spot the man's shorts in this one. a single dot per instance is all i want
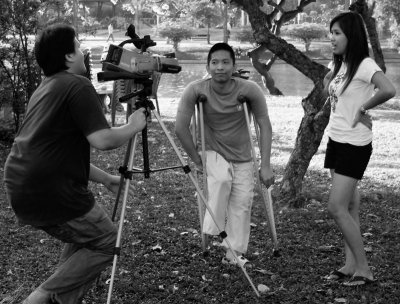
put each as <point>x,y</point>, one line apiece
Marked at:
<point>347,159</point>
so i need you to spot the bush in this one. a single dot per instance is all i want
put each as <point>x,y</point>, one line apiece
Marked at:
<point>246,35</point>
<point>176,33</point>
<point>306,32</point>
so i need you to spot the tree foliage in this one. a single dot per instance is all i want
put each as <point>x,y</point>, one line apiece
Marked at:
<point>206,14</point>
<point>387,13</point>
<point>19,73</point>
<point>388,8</point>
<point>329,9</point>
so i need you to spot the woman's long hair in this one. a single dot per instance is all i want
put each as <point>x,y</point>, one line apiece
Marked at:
<point>353,27</point>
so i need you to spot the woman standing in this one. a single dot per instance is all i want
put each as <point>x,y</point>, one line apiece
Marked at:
<point>355,85</point>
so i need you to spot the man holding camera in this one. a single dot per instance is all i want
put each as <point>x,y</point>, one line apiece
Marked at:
<point>229,167</point>
<point>48,168</point>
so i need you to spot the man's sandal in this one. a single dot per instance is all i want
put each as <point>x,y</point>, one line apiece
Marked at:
<point>337,275</point>
<point>242,260</point>
<point>358,281</point>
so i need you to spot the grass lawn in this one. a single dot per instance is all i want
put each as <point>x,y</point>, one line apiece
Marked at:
<point>164,212</point>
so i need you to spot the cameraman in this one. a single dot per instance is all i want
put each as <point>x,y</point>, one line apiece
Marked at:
<point>48,168</point>
<point>230,176</point>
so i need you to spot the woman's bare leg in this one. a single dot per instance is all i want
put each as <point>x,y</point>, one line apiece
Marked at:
<point>344,210</point>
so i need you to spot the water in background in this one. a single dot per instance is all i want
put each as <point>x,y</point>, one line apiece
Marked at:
<point>288,79</point>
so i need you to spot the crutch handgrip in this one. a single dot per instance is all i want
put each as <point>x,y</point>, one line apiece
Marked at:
<point>242,99</point>
<point>223,234</point>
<point>201,99</point>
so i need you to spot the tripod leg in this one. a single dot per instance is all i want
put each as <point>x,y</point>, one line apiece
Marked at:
<point>199,204</point>
<point>267,199</point>
<point>117,248</point>
<point>121,181</point>
<point>126,159</point>
<point>196,185</point>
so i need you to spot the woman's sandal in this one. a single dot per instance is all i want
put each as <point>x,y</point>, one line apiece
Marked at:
<point>358,281</point>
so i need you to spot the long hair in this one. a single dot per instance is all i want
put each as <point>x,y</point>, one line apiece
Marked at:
<point>51,47</point>
<point>353,27</point>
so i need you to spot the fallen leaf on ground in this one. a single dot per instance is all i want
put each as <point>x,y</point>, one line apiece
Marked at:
<point>263,288</point>
<point>263,271</point>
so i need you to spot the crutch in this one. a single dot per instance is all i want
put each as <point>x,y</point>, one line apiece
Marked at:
<point>266,195</point>
<point>194,130</point>
<point>200,101</point>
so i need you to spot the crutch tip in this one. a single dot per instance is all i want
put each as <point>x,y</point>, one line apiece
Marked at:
<point>206,254</point>
<point>276,253</point>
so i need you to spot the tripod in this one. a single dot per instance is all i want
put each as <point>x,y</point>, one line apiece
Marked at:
<point>127,172</point>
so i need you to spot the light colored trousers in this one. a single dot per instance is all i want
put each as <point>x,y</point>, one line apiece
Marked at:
<point>89,249</point>
<point>230,197</point>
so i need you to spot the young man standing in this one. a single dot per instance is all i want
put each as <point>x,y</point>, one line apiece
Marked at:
<point>48,168</point>
<point>230,174</point>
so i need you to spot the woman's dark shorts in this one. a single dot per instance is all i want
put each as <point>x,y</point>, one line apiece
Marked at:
<point>347,159</point>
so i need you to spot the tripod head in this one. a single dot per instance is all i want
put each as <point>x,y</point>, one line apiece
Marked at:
<point>143,94</point>
<point>140,43</point>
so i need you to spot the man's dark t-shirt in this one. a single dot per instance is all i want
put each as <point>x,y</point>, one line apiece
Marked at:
<point>47,171</point>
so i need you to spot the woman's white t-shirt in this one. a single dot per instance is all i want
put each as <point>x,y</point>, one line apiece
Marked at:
<point>344,106</point>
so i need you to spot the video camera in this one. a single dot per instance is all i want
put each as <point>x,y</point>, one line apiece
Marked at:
<point>121,63</point>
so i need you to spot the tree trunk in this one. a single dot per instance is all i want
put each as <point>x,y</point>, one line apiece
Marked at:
<point>208,33</point>
<point>316,116</point>
<point>225,26</point>
<point>99,8</point>
<point>307,44</point>
<point>361,7</point>
<point>263,69</point>
<point>309,136</point>
<point>75,14</point>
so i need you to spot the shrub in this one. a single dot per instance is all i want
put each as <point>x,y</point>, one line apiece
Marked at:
<point>176,33</point>
<point>306,32</point>
<point>246,35</point>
